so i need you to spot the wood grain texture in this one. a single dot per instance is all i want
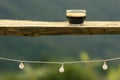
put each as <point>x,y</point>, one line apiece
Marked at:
<point>39,28</point>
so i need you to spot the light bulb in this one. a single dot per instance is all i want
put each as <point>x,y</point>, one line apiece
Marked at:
<point>61,69</point>
<point>21,65</point>
<point>105,66</point>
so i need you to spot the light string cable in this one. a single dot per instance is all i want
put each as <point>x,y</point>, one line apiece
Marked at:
<point>69,62</point>
<point>61,69</point>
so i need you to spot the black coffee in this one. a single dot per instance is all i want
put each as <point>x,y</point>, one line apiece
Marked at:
<point>76,20</point>
<point>76,16</point>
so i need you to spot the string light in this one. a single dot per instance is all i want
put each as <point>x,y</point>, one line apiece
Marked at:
<point>61,69</point>
<point>21,65</point>
<point>105,66</point>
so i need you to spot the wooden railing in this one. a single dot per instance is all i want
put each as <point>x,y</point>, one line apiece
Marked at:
<point>38,28</point>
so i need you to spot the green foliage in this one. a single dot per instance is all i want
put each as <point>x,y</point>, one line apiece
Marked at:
<point>58,47</point>
<point>54,47</point>
<point>55,10</point>
<point>51,73</point>
<point>114,74</point>
<point>84,56</point>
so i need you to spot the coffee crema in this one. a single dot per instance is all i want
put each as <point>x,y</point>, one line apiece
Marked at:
<point>71,14</point>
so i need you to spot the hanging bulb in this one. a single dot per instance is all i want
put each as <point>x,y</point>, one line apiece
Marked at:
<point>105,66</point>
<point>61,69</point>
<point>21,65</point>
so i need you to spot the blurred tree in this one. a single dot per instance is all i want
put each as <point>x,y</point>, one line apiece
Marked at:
<point>72,72</point>
<point>84,56</point>
<point>114,74</point>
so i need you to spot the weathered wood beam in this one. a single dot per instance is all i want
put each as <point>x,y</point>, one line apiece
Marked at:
<point>38,28</point>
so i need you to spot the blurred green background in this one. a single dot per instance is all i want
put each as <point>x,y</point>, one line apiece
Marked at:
<point>59,48</point>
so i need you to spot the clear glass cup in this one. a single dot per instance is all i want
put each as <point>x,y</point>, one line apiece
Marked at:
<point>76,16</point>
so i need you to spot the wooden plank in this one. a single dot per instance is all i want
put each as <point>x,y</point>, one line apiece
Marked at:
<point>38,28</point>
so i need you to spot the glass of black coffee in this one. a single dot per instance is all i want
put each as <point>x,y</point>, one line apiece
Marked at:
<point>76,16</point>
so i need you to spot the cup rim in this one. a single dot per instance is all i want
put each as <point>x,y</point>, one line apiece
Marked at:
<point>76,10</point>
